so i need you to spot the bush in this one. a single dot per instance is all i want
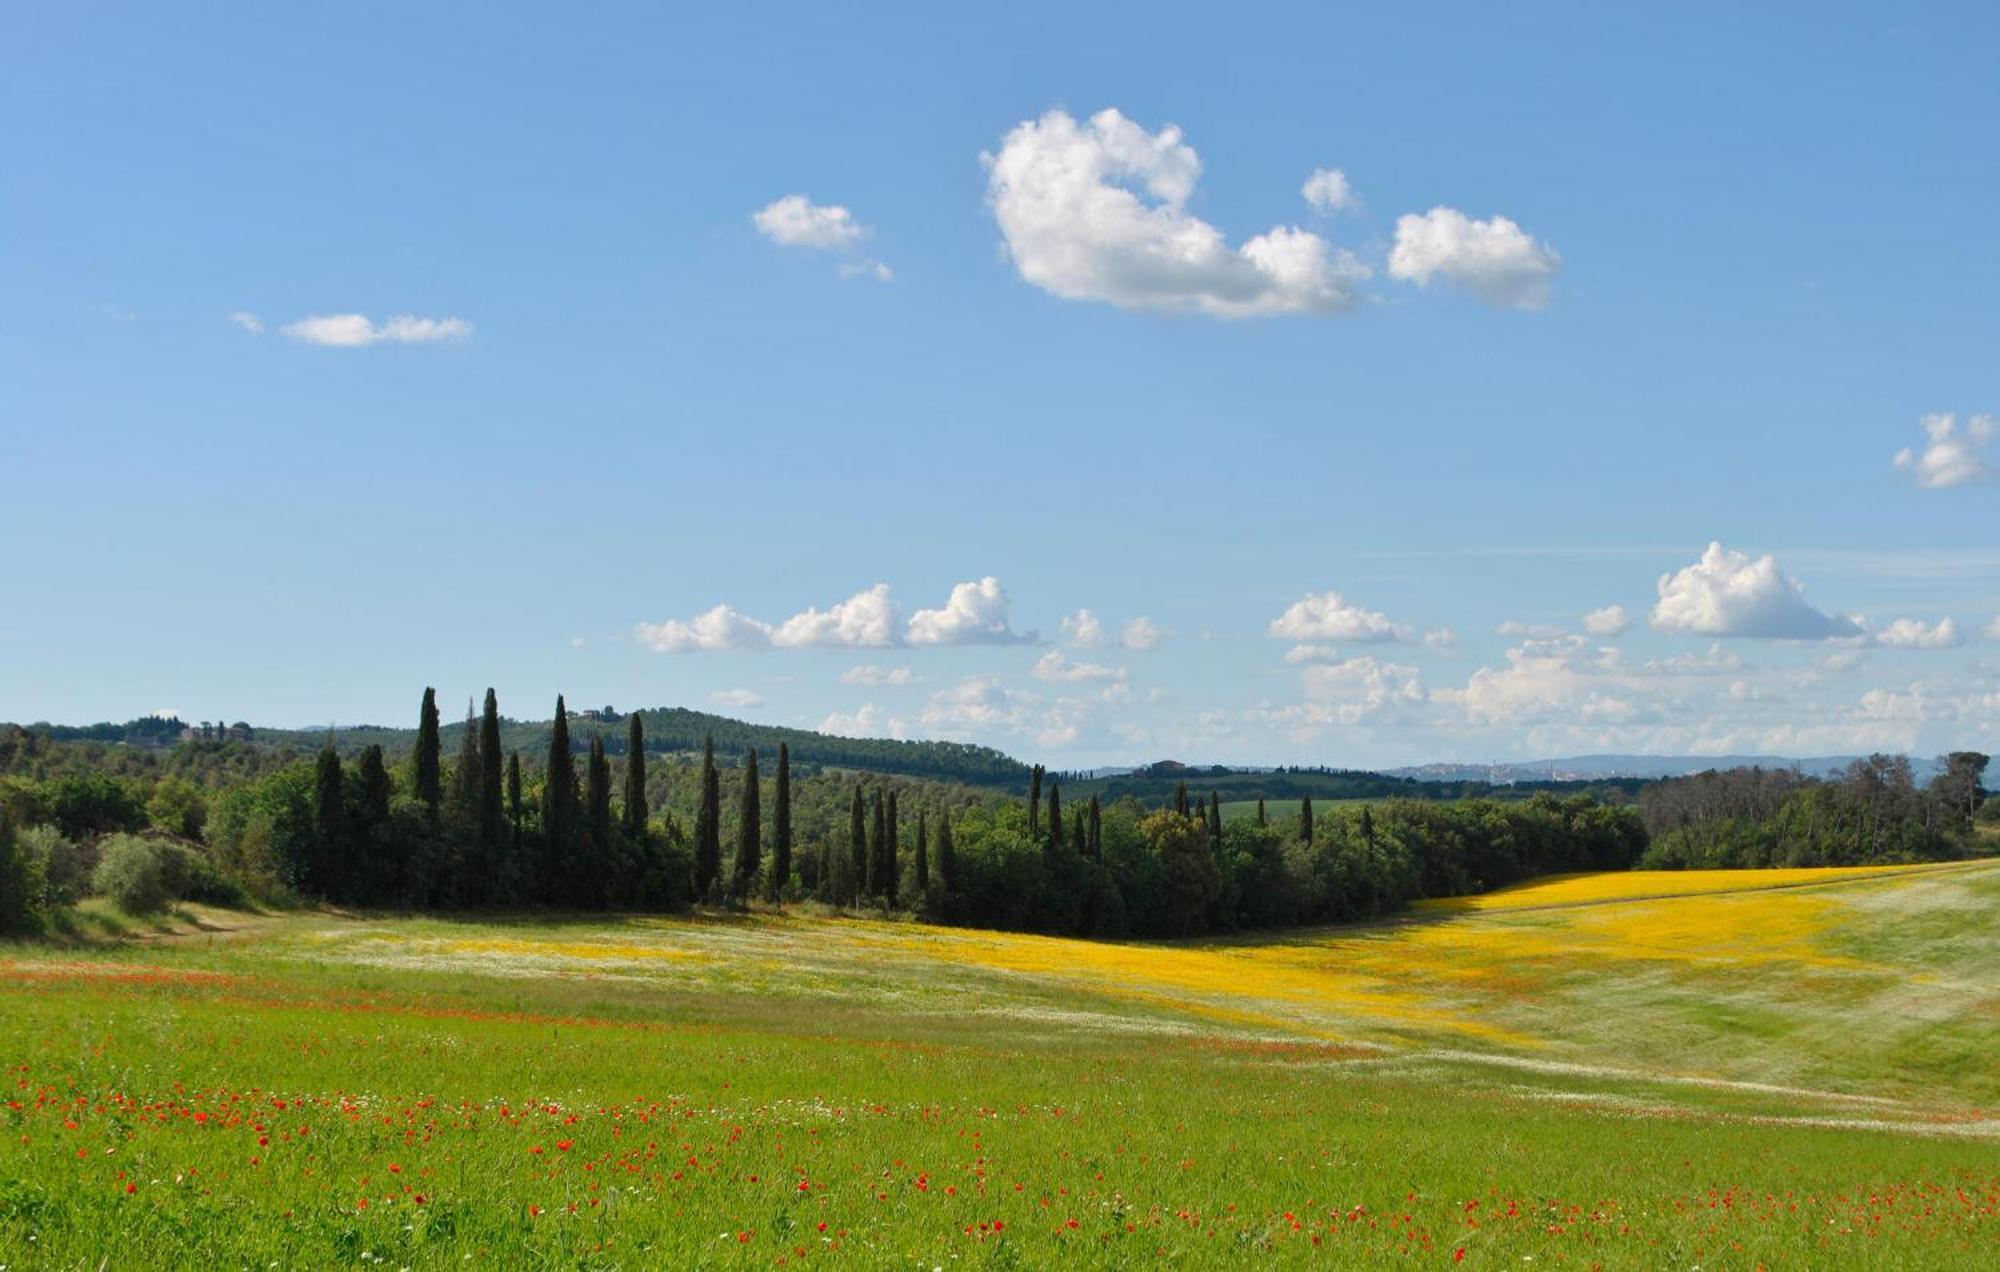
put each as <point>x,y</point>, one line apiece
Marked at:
<point>191,876</point>
<point>133,874</point>
<point>65,871</point>
<point>20,885</point>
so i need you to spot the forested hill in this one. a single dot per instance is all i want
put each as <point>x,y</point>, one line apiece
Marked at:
<point>1156,783</point>
<point>667,730</point>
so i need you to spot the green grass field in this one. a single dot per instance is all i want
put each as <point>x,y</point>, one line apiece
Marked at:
<point>1582,1073</point>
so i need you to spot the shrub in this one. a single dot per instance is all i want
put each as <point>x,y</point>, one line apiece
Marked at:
<point>191,876</point>
<point>133,874</point>
<point>65,873</point>
<point>20,885</point>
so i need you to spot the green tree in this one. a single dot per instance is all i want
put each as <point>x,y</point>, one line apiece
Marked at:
<point>892,847</point>
<point>177,806</point>
<point>923,857</point>
<point>558,809</point>
<point>1096,848</point>
<point>636,812</point>
<point>1193,882</point>
<point>1035,802</point>
<point>947,857</point>
<point>876,883</point>
<point>599,878</point>
<point>708,825</point>
<point>1306,819</point>
<point>20,888</point>
<point>517,829</point>
<point>749,830</point>
<point>329,830</point>
<point>492,811</point>
<point>857,840</point>
<point>781,826</point>
<point>1054,846</point>
<point>1260,812</point>
<point>424,761</point>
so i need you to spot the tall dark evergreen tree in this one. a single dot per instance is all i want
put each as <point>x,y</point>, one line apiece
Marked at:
<point>636,812</point>
<point>373,776</point>
<point>781,826</point>
<point>465,779</point>
<point>947,859</point>
<point>598,881</point>
<point>1368,828</point>
<point>559,829</point>
<point>878,829</point>
<point>20,900</point>
<point>492,811</point>
<point>1181,798</point>
<point>892,847</point>
<point>425,761</point>
<point>708,825</point>
<point>1260,812</point>
<point>857,840</point>
<point>1079,833</point>
<point>517,829</point>
<point>749,830</point>
<point>329,830</point>
<point>923,856</point>
<point>375,873</point>
<point>1306,819</point>
<point>1035,802</point>
<point>1055,843</point>
<point>1096,830</point>
<point>1215,821</point>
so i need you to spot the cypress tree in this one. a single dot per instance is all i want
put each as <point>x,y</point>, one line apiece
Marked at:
<point>1079,833</point>
<point>374,778</point>
<point>1035,802</point>
<point>558,808</point>
<point>781,826</point>
<point>636,812</point>
<point>878,830</point>
<point>597,882</point>
<point>328,806</point>
<point>516,818</point>
<point>1096,830</point>
<point>20,885</point>
<point>1368,828</point>
<point>1180,798</point>
<point>708,824</point>
<point>1306,818</point>
<point>1260,812</point>
<point>425,760</point>
<point>1055,820</point>
<point>492,815</point>
<point>892,845</point>
<point>465,776</point>
<point>923,856</point>
<point>947,859</point>
<point>749,830</point>
<point>1215,820</point>
<point>857,839</point>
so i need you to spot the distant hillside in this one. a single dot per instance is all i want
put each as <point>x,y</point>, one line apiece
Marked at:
<point>1590,768</point>
<point>668,730</point>
<point>1155,783</point>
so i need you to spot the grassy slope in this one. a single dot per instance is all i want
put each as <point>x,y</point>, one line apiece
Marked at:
<point>1793,1075</point>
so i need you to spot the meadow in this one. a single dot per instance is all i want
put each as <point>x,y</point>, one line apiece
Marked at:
<point>1726,1069</point>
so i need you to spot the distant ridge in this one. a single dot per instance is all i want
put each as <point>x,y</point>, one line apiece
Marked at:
<point>1589,768</point>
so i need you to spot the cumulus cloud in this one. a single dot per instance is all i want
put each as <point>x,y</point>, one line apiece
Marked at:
<point>739,699</point>
<point>354,331</point>
<point>975,702</point>
<point>1327,190</point>
<point>870,721</point>
<point>1056,667</point>
<point>1544,679</point>
<point>975,614</point>
<point>1361,688</point>
<point>1515,629</point>
<point>796,221</point>
<point>1143,633</point>
<point>1951,457</point>
<point>872,675</point>
<point>1083,629</point>
<point>1730,593</point>
<point>1914,633</point>
<point>1097,211</point>
<point>1313,653</point>
<point>1495,260</point>
<point>1328,616</point>
<point>248,321</point>
<point>1612,620</point>
<point>868,619</point>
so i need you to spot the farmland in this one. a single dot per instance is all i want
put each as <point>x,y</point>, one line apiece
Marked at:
<point>1722,1069</point>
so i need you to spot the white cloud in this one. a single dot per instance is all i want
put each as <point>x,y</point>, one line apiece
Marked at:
<point>740,699</point>
<point>1543,679</point>
<point>1992,630</point>
<point>353,331</point>
<point>721,628</point>
<point>1327,190</point>
<point>1312,653</point>
<point>1056,667</point>
<point>1716,662</point>
<point>248,321</point>
<point>1494,260</point>
<point>1097,211</point>
<point>1143,633</point>
<point>976,614</point>
<point>1514,629</point>
<point>1729,593</point>
<point>1951,457</point>
<point>1362,688</point>
<point>871,675</point>
<point>870,721</point>
<point>978,702</point>
<point>1083,629</point>
<point>1612,620</point>
<point>868,619</point>
<point>1327,616</point>
<point>796,221</point>
<point>1914,633</point>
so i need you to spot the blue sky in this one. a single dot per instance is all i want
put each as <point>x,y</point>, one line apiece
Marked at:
<point>1665,281</point>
